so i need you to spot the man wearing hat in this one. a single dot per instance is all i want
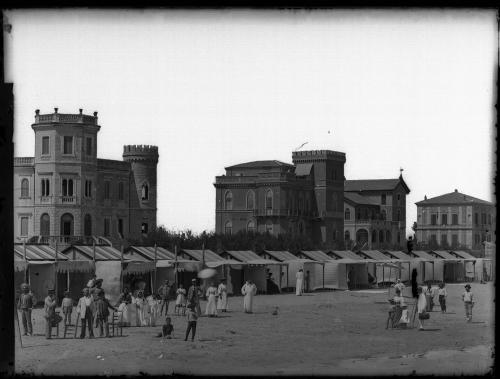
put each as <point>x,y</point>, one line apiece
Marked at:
<point>193,297</point>
<point>50,312</point>
<point>85,309</point>
<point>95,291</point>
<point>25,304</point>
<point>164,292</point>
<point>468,299</point>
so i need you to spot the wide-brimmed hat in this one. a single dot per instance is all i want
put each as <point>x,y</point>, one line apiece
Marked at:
<point>51,290</point>
<point>98,280</point>
<point>467,286</point>
<point>24,285</point>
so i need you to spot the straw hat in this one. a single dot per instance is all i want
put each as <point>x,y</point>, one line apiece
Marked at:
<point>467,286</point>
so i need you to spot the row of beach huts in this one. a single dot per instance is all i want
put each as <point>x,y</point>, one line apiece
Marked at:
<point>44,266</point>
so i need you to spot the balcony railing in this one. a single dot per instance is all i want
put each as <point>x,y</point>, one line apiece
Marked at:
<point>67,199</point>
<point>284,212</point>
<point>46,199</point>
<point>68,240</point>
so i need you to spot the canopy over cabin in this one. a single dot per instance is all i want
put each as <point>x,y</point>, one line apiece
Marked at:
<point>344,254</point>
<point>315,255</point>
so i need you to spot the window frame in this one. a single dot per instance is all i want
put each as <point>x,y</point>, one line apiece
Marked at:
<point>228,199</point>
<point>25,188</point>
<point>107,227</point>
<point>88,147</point>
<point>26,219</point>
<point>47,153</point>
<point>107,190</point>
<point>65,145</point>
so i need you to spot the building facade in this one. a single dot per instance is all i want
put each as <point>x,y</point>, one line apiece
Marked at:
<point>303,198</point>
<point>375,213</point>
<point>65,190</point>
<point>455,220</point>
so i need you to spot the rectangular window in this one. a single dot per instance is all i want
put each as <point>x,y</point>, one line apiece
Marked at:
<point>24,226</point>
<point>454,240</point>
<point>120,227</point>
<point>88,146</point>
<point>444,240</point>
<point>444,219</point>
<point>45,145</point>
<point>433,239</point>
<point>45,187</point>
<point>144,228</point>
<point>68,145</point>
<point>383,199</point>
<point>454,219</point>
<point>483,218</point>
<point>120,191</point>
<point>106,227</point>
<point>399,199</point>
<point>476,218</point>
<point>88,189</point>
<point>433,219</point>
<point>106,190</point>
<point>489,218</point>
<point>464,215</point>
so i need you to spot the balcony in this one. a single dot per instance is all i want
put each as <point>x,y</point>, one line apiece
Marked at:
<point>285,212</point>
<point>67,199</point>
<point>46,199</point>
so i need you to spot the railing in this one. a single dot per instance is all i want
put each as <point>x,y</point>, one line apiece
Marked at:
<point>68,240</point>
<point>46,199</point>
<point>69,118</point>
<point>24,161</point>
<point>284,212</point>
<point>67,199</point>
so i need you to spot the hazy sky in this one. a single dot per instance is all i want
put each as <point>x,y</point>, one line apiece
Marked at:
<point>395,89</point>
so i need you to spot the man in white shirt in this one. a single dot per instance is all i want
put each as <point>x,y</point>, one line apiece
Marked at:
<point>85,309</point>
<point>468,299</point>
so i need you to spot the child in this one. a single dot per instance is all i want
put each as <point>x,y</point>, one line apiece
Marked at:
<point>442,297</point>
<point>153,308</point>
<point>192,316</point>
<point>167,329</point>
<point>468,300</point>
<point>67,307</point>
<point>429,296</point>
<point>180,302</point>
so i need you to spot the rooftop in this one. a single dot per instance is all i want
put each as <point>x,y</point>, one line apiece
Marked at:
<point>374,185</point>
<point>260,164</point>
<point>358,199</point>
<point>454,197</point>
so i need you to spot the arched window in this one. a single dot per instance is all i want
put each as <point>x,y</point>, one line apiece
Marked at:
<point>250,200</point>
<point>347,235</point>
<point>87,225</point>
<point>388,236</point>
<point>347,214</point>
<point>65,187</point>
<point>269,199</point>
<point>25,188</point>
<point>374,236</point>
<point>269,227</point>
<point>67,224</point>
<point>70,187</point>
<point>45,187</point>
<point>45,225</point>
<point>228,228</point>
<point>251,226</point>
<point>381,236</point>
<point>228,200</point>
<point>145,191</point>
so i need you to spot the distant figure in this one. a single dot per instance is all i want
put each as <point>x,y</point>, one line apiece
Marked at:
<point>307,281</point>
<point>85,309</point>
<point>26,305</point>
<point>222,296</point>
<point>167,329</point>
<point>67,307</point>
<point>153,309</point>
<point>140,303</point>
<point>50,313</point>
<point>102,313</point>
<point>180,301</point>
<point>91,282</point>
<point>421,306</point>
<point>399,286</point>
<point>164,292</point>
<point>248,291</point>
<point>211,309</point>
<point>409,245</point>
<point>192,318</point>
<point>429,293</point>
<point>442,294</point>
<point>123,305</point>
<point>414,284</point>
<point>468,299</point>
<point>193,296</point>
<point>350,278</point>
<point>272,287</point>
<point>299,286</point>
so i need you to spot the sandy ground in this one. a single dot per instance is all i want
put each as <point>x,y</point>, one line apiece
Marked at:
<point>335,333</point>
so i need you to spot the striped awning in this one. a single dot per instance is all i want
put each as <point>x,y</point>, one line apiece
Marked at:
<point>206,254</point>
<point>138,267</point>
<point>75,266</point>
<point>38,253</point>
<point>281,255</point>
<point>398,254</point>
<point>316,255</point>
<point>251,258</point>
<point>374,254</point>
<point>424,255</point>
<point>102,253</point>
<point>346,254</point>
<point>463,254</point>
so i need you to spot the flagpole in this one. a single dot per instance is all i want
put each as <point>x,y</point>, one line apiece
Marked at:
<point>154,285</point>
<point>176,273</point>
<point>121,271</point>
<point>26,279</point>
<point>55,270</point>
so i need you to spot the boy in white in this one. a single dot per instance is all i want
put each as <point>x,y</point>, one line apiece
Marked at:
<point>442,297</point>
<point>468,300</point>
<point>153,308</point>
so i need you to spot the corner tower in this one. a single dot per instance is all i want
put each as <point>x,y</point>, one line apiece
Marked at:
<point>328,174</point>
<point>142,187</point>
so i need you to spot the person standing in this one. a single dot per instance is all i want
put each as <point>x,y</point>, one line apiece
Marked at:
<point>421,308</point>
<point>299,285</point>
<point>414,284</point>
<point>222,296</point>
<point>91,282</point>
<point>123,305</point>
<point>194,294</point>
<point>429,295</point>
<point>67,307</point>
<point>141,304</point>
<point>85,309</point>
<point>442,294</point>
<point>180,301</point>
<point>468,299</point>
<point>248,291</point>
<point>102,313</point>
<point>164,292</point>
<point>192,318</point>
<point>25,305</point>
<point>211,309</point>
<point>50,312</point>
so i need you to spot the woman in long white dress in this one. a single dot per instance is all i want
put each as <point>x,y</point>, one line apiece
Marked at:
<point>421,307</point>
<point>211,309</point>
<point>141,306</point>
<point>180,301</point>
<point>248,291</point>
<point>300,282</point>
<point>222,296</point>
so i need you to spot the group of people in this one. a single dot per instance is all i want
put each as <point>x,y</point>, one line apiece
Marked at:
<point>424,297</point>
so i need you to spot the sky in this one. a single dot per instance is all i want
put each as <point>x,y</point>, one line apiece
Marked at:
<point>391,89</point>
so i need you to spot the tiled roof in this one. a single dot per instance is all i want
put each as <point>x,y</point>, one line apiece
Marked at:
<point>316,255</point>
<point>398,254</point>
<point>149,252</point>
<point>210,256</point>
<point>443,254</point>
<point>373,185</point>
<point>281,255</point>
<point>102,253</point>
<point>358,199</point>
<point>346,254</point>
<point>463,254</point>
<point>38,253</point>
<point>374,254</point>
<point>260,164</point>
<point>453,198</point>
<point>249,257</point>
<point>423,254</point>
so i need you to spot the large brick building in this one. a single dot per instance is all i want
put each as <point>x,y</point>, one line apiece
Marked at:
<point>65,190</point>
<point>455,220</point>
<point>303,198</point>
<point>375,213</point>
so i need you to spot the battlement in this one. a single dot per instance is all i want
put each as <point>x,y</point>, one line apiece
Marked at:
<point>64,118</point>
<point>310,155</point>
<point>140,152</point>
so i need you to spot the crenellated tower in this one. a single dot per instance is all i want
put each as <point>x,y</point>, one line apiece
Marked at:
<point>143,187</point>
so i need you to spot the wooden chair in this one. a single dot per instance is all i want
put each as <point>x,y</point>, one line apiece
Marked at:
<point>69,328</point>
<point>117,322</point>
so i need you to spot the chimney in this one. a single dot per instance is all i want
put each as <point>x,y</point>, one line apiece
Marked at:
<point>81,110</point>
<point>425,197</point>
<point>456,190</point>
<point>55,110</point>
<point>95,114</point>
<point>37,112</point>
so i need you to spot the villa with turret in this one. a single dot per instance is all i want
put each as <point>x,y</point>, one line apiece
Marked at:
<point>66,191</point>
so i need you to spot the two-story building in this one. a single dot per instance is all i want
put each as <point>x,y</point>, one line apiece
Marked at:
<point>455,220</point>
